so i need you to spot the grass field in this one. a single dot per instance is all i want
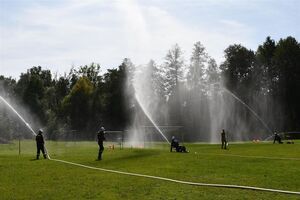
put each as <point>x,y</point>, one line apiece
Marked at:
<point>248,164</point>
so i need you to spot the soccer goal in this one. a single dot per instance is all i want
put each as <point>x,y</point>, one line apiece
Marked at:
<point>154,133</point>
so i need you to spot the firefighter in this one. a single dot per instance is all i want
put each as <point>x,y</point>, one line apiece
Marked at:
<point>101,138</point>
<point>40,144</point>
<point>179,148</point>
<point>223,139</point>
<point>174,143</point>
<point>277,138</point>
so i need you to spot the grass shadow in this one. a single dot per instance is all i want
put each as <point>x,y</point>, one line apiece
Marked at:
<point>134,155</point>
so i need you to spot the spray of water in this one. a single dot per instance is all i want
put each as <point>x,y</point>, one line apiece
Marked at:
<point>23,120</point>
<point>244,104</point>
<point>269,137</point>
<point>144,89</point>
<point>249,108</point>
<point>145,111</point>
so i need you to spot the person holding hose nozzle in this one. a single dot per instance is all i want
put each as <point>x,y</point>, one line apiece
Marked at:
<point>40,144</point>
<point>101,138</point>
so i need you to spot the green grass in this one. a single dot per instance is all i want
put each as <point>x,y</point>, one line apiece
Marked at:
<point>22,177</point>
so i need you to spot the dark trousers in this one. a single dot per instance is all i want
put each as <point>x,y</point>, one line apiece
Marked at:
<point>224,142</point>
<point>181,149</point>
<point>101,149</point>
<point>278,139</point>
<point>39,149</point>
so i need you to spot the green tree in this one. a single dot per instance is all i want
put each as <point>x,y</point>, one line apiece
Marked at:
<point>77,104</point>
<point>287,60</point>
<point>195,76</point>
<point>115,104</point>
<point>173,67</point>
<point>7,86</point>
<point>237,69</point>
<point>31,89</point>
<point>213,75</point>
<point>268,72</point>
<point>92,72</point>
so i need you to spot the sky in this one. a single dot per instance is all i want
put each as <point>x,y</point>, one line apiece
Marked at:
<point>59,34</point>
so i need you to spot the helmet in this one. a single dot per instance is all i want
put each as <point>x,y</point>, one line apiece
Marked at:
<point>41,131</point>
<point>102,128</point>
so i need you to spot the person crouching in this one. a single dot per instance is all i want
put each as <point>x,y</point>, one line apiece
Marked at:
<point>175,144</point>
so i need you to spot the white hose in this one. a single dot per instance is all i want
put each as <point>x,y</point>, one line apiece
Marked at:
<point>178,181</point>
<point>245,156</point>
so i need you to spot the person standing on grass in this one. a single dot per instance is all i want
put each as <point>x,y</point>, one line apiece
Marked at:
<point>101,138</point>
<point>223,139</point>
<point>40,144</point>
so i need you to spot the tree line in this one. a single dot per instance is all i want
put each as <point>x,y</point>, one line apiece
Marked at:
<point>268,79</point>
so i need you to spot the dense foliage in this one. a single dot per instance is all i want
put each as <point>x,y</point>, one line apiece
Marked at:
<point>84,98</point>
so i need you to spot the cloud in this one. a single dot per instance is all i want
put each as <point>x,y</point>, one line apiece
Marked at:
<point>81,32</point>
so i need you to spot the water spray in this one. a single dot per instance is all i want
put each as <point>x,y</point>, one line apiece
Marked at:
<point>23,120</point>
<point>150,119</point>
<point>248,107</point>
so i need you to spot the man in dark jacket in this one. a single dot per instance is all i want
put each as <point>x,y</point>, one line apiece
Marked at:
<point>101,138</point>
<point>277,138</point>
<point>40,144</point>
<point>174,144</point>
<point>223,139</point>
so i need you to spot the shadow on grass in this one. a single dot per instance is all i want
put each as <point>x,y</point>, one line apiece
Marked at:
<point>134,155</point>
<point>34,159</point>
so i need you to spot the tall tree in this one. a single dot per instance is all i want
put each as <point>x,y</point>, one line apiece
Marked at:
<point>7,86</point>
<point>77,104</point>
<point>212,72</point>
<point>237,69</point>
<point>92,72</point>
<point>156,79</point>
<point>268,72</point>
<point>287,59</point>
<point>115,105</point>
<point>195,76</point>
<point>31,88</point>
<point>173,68</point>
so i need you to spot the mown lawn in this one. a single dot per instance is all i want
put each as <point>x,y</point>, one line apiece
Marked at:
<point>22,177</point>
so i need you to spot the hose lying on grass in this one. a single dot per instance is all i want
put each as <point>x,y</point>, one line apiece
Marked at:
<point>178,181</point>
<point>245,156</point>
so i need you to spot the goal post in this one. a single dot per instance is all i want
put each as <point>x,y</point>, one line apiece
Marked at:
<point>152,134</point>
<point>117,136</point>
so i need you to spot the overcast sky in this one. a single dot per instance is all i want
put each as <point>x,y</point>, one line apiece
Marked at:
<point>59,34</point>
